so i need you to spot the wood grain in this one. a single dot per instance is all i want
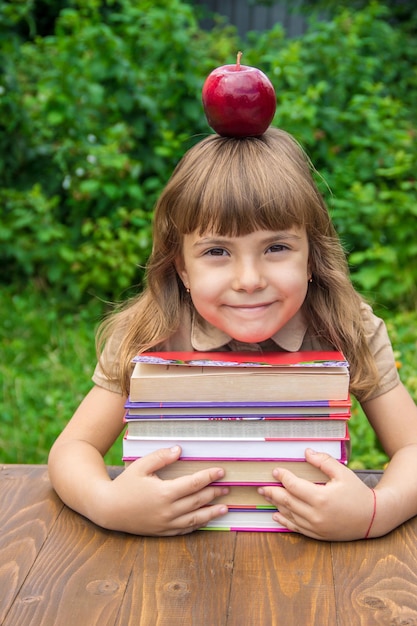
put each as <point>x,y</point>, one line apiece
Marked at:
<point>272,585</point>
<point>376,580</point>
<point>59,569</point>
<point>28,511</point>
<point>180,581</point>
<point>81,573</point>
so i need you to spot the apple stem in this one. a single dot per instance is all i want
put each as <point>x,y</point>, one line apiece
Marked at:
<point>239,56</point>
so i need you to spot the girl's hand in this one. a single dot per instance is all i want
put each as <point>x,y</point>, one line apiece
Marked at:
<point>139,502</point>
<point>340,510</point>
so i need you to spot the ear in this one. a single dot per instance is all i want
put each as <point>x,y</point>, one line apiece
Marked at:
<point>181,271</point>
<point>309,271</point>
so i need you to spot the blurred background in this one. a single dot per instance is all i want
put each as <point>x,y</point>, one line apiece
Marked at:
<point>99,100</point>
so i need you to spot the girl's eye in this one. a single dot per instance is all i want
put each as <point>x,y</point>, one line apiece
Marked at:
<point>277,247</point>
<point>216,252</point>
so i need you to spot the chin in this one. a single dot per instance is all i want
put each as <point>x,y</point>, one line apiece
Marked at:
<point>252,338</point>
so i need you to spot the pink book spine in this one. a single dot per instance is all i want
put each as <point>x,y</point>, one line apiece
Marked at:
<point>216,461</point>
<point>246,483</point>
<point>250,529</point>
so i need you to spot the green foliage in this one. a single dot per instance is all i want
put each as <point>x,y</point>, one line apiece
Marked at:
<point>401,13</point>
<point>46,364</point>
<point>347,90</point>
<point>98,101</point>
<point>29,18</point>
<point>48,358</point>
<point>366,450</point>
<point>94,118</point>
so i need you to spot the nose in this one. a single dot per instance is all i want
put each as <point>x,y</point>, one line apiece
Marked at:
<point>248,277</point>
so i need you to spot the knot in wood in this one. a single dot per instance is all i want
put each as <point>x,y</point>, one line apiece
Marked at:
<point>102,587</point>
<point>177,588</point>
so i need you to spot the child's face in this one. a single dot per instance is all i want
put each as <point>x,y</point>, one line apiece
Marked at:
<point>248,286</point>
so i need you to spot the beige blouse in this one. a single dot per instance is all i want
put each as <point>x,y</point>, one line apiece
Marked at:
<point>196,334</point>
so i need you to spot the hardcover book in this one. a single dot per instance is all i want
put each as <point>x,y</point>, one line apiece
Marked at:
<point>293,428</point>
<point>242,472</point>
<point>246,520</point>
<point>295,408</point>
<point>235,448</point>
<point>233,376</point>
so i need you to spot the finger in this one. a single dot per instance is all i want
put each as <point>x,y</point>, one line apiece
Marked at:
<point>151,463</point>
<point>198,519</point>
<point>294,513</point>
<point>295,524</point>
<point>291,501</point>
<point>291,488</point>
<point>197,482</point>
<point>156,460</point>
<point>327,464</point>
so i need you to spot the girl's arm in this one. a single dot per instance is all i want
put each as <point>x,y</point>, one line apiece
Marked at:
<point>343,508</point>
<point>137,501</point>
<point>393,416</point>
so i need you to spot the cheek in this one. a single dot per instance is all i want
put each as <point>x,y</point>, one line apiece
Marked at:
<point>292,280</point>
<point>205,290</point>
<point>206,293</point>
<point>293,288</point>
<point>204,279</point>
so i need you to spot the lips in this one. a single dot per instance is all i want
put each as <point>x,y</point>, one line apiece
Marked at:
<point>250,310</point>
<point>258,305</point>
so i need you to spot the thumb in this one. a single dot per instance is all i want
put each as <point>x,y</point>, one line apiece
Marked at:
<point>326,463</point>
<point>156,460</point>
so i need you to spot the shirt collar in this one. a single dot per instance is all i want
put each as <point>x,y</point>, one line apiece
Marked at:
<point>205,337</point>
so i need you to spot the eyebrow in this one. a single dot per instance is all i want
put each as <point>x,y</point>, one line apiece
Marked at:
<point>219,240</point>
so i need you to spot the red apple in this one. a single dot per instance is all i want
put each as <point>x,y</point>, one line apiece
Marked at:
<point>238,100</point>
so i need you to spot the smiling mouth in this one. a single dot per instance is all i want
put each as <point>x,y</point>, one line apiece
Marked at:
<point>250,307</point>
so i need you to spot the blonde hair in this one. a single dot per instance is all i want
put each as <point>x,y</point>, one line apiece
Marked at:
<point>234,186</point>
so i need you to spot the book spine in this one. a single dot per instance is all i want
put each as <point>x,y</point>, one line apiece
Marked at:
<point>237,417</point>
<point>219,459</point>
<point>132,404</point>
<point>250,529</point>
<point>247,483</point>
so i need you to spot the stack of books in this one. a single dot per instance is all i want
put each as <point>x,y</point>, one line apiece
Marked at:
<point>245,412</point>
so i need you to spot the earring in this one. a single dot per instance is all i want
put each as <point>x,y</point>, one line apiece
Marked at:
<point>187,289</point>
<point>310,280</point>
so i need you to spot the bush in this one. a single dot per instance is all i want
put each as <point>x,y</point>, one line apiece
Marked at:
<point>347,90</point>
<point>99,100</point>
<point>95,117</point>
<point>45,370</point>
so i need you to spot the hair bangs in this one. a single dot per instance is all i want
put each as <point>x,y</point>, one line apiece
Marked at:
<point>241,185</point>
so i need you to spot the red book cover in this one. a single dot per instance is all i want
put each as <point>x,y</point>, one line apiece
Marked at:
<point>246,359</point>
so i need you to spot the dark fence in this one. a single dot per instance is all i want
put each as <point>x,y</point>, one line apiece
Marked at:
<point>248,17</point>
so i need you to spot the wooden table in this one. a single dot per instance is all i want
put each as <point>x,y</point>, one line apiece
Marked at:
<point>58,569</point>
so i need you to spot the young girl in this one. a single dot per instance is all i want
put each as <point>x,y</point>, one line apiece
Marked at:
<point>245,257</point>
